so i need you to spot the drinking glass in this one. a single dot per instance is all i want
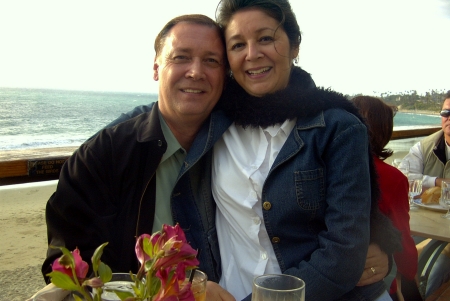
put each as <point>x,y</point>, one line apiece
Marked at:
<point>402,165</point>
<point>198,286</point>
<point>415,187</point>
<point>118,282</point>
<point>278,288</point>
<point>444,201</point>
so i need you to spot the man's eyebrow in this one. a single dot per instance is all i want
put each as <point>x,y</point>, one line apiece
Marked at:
<point>182,49</point>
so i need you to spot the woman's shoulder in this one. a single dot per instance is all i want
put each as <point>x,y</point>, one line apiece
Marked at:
<point>386,171</point>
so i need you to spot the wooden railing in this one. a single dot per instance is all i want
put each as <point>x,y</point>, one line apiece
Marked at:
<point>404,134</point>
<point>41,166</point>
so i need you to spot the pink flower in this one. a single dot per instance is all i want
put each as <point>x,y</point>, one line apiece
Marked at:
<point>139,249</point>
<point>62,265</point>
<point>175,249</point>
<point>170,287</point>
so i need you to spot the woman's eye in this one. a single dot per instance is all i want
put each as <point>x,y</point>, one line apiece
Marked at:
<point>266,39</point>
<point>237,46</point>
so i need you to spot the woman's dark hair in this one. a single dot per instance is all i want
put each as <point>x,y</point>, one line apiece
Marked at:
<point>379,119</point>
<point>193,19</point>
<point>280,10</point>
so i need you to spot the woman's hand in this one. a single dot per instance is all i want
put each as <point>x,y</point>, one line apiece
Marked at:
<point>215,292</point>
<point>377,266</point>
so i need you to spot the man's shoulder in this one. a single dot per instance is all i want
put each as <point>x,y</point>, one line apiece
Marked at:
<point>132,114</point>
<point>431,140</point>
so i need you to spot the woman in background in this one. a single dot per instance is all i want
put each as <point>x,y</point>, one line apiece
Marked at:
<point>393,184</point>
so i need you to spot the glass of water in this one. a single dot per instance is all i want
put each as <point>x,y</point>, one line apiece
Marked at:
<point>272,287</point>
<point>415,187</point>
<point>402,165</point>
<point>444,201</point>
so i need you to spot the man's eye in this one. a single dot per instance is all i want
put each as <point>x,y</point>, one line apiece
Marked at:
<point>180,58</point>
<point>211,60</point>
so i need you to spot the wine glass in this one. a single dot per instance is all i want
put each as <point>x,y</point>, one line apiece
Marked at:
<point>415,187</point>
<point>444,201</point>
<point>273,287</point>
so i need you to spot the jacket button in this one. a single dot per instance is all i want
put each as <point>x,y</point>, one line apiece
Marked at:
<point>159,143</point>
<point>275,240</point>
<point>267,205</point>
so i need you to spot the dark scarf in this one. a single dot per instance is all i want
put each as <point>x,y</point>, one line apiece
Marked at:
<point>299,100</point>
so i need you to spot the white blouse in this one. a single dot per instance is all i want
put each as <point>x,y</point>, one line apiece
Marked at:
<point>241,163</point>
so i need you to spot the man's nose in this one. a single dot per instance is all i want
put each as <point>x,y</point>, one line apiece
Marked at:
<point>196,71</point>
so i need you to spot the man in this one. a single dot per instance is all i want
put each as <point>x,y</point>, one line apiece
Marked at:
<point>430,157</point>
<point>126,180</point>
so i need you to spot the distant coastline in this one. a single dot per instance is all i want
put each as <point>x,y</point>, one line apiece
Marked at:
<point>423,112</point>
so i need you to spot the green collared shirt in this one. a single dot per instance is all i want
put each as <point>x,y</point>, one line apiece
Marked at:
<point>166,175</point>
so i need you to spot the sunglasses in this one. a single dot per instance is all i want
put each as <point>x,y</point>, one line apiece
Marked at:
<point>445,113</point>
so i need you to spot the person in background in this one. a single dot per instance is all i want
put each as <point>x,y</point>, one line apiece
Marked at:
<point>122,182</point>
<point>394,201</point>
<point>430,157</point>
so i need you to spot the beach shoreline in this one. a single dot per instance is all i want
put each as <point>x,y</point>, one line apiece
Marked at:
<point>24,238</point>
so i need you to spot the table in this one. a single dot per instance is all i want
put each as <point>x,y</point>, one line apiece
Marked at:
<point>429,224</point>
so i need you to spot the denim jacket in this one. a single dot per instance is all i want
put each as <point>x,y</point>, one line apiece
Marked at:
<point>320,237</point>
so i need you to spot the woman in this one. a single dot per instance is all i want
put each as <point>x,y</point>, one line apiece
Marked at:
<point>291,175</point>
<point>394,202</point>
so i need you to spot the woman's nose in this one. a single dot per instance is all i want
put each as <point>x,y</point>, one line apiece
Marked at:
<point>253,52</point>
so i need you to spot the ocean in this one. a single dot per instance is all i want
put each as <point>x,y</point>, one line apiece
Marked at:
<point>37,118</point>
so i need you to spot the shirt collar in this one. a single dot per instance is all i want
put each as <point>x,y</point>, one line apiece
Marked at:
<point>286,128</point>
<point>172,143</point>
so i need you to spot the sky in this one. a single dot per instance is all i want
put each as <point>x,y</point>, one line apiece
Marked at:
<point>352,46</point>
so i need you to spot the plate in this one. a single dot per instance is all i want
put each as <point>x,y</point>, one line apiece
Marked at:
<point>434,207</point>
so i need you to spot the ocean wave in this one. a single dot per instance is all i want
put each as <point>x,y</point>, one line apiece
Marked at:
<point>20,143</point>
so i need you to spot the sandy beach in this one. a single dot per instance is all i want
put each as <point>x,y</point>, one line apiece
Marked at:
<point>24,238</point>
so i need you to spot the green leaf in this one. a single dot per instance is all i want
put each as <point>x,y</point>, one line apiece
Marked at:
<point>77,298</point>
<point>123,295</point>
<point>104,272</point>
<point>96,257</point>
<point>147,246</point>
<point>63,281</point>
<point>67,256</point>
<point>98,296</point>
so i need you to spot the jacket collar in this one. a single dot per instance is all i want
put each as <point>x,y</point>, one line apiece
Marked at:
<point>150,128</point>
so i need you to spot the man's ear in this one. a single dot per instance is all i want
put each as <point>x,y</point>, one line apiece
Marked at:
<point>155,71</point>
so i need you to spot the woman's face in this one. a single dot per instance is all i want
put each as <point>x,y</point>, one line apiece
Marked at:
<point>259,52</point>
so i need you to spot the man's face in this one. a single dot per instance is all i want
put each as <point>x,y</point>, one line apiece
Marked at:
<point>191,71</point>
<point>445,121</point>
